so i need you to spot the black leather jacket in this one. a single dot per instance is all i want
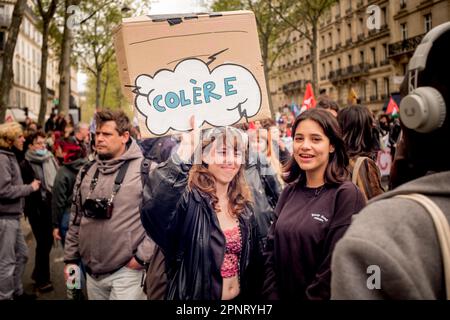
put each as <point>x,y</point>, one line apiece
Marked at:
<point>266,190</point>
<point>183,223</point>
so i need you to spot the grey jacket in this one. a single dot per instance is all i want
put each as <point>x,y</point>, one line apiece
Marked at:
<point>12,189</point>
<point>106,245</point>
<point>398,237</point>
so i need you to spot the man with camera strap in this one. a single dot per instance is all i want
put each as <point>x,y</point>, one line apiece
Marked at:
<point>105,232</point>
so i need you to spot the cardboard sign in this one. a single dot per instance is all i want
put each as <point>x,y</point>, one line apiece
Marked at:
<point>207,65</point>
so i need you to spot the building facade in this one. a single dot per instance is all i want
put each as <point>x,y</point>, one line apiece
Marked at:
<point>353,54</point>
<point>25,92</point>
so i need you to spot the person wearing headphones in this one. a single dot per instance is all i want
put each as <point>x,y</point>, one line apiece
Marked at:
<point>392,249</point>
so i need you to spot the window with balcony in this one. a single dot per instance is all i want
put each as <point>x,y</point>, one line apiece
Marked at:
<point>404,31</point>
<point>338,10</point>
<point>17,73</point>
<point>339,63</point>
<point>427,22</point>
<point>402,4</point>
<point>386,87</point>
<point>373,56</point>
<point>361,57</point>
<point>2,41</point>
<point>349,31</point>
<point>362,90</point>
<point>22,75</point>
<point>350,62</point>
<point>374,90</point>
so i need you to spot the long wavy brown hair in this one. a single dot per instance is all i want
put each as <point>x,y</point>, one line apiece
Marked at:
<point>239,194</point>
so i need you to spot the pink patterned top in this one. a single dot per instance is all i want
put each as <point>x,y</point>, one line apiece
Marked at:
<point>233,247</point>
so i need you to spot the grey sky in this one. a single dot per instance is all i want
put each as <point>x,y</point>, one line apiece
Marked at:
<point>178,6</point>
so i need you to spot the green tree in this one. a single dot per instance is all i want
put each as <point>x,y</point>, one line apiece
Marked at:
<point>46,18</point>
<point>227,5</point>
<point>7,75</point>
<point>94,44</point>
<point>111,95</point>
<point>304,17</point>
<point>65,46</point>
<point>272,31</point>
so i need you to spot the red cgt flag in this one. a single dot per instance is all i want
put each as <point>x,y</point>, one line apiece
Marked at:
<point>308,100</point>
<point>392,108</point>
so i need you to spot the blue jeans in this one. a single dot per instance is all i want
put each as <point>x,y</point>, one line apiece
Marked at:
<point>64,227</point>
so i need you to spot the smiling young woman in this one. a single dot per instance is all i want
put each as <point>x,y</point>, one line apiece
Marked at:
<point>313,212</point>
<point>201,217</point>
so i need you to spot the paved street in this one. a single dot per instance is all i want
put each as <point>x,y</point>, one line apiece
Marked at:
<point>56,266</point>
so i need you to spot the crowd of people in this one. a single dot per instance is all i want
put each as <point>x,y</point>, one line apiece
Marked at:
<point>291,208</point>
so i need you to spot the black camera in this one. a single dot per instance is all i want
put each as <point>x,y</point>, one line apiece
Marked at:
<point>98,208</point>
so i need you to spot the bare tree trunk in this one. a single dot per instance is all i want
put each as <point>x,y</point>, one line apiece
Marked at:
<point>43,78</point>
<point>106,84</point>
<point>64,63</point>
<point>7,75</point>
<point>98,86</point>
<point>315,82</point>
<point>271,108</point>
<point>46,17</point>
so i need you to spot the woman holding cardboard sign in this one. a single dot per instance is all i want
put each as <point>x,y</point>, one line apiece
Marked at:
<point>199,215</point>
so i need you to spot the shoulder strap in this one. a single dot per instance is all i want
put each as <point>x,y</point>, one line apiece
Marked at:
<point>146,166</point>
<point>359,161</point>
<point>120,176</point>
<point>442,229</point>
<point>76,191</point>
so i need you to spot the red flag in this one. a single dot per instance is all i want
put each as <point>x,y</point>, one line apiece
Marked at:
<point>392,108</point>
<point>308,100</point>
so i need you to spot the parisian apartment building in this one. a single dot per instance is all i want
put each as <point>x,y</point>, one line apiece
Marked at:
<point>25,92</point>
<point>355,55</point>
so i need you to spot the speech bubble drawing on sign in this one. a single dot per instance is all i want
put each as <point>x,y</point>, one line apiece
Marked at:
<point>218,97</point>
<point>207,65</point>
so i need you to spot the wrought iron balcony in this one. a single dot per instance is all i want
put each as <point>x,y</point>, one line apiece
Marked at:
<point>373,98</point>
<point>293,86</point>
<point>384,62</point>
<point>405,46</point>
